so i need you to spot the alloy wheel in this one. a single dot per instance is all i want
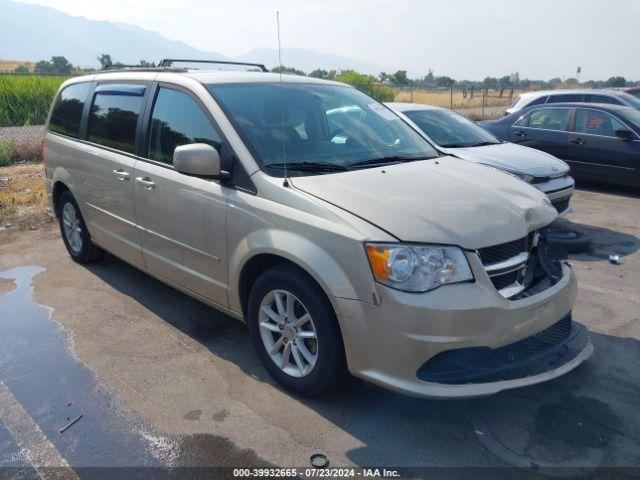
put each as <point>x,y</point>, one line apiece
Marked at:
<point>71,227</point>
<point>288,333</point>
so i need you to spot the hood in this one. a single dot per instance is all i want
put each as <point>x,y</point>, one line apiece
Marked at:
<point>445,201</point>
<point>515,158</point>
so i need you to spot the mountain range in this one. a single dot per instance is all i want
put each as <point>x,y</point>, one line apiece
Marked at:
<point>33,32</point>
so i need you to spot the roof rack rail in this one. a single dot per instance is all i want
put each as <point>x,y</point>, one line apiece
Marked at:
<point>120,68</point>
<point>168,62</point>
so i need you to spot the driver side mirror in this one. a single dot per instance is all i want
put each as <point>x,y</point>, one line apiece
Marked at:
<point>624,134</point>
<point>197,159</point>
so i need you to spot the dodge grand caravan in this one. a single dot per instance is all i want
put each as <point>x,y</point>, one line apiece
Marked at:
<point>344,240</point>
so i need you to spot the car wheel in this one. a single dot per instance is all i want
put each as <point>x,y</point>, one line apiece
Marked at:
<point>74,231</point>
<point>295,331</point>
<point>568,240</point>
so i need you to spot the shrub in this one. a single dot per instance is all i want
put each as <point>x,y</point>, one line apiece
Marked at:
<point>8,153</point>
<point>367,83</point>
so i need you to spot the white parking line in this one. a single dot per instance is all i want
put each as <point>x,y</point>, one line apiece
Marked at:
<point>42,454</point>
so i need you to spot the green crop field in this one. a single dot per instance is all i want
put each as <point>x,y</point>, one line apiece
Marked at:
<point>25,99</point>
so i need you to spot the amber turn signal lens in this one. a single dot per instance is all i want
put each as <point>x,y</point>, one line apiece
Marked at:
<point>379,259</point>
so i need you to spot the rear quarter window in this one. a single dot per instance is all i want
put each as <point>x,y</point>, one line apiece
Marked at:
<point>67,111</point>
<point>537,101</point>
<point>566,97</point>
<point>114,117</point>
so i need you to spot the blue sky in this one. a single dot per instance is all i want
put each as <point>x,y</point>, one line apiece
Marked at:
<point>461,38</point>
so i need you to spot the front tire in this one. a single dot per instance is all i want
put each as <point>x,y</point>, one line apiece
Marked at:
<point>74,231</point>
<point>295,332</point>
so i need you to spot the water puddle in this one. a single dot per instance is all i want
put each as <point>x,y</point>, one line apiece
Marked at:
<point>60,393</point>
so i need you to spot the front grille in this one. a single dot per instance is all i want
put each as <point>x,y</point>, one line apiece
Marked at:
<point>535,344</point>
<point>561,205</point>
<point>502,252</point>
<point>548,178</point>
<point>526,275</point>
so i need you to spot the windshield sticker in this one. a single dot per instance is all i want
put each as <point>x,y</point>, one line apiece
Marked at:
<point>383,111</point>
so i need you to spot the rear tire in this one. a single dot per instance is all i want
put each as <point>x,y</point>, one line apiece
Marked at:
<point>287,309</point>
<point>74,231</point>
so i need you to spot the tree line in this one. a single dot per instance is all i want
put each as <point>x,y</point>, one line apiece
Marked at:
<point>379,86</point>
<point>59,65</point>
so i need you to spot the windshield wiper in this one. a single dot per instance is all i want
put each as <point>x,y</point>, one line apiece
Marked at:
<point>385,160</point>
<point>483,144</point>
<point>308,166</point>
<point>467,145</point>
<point>453,145</point>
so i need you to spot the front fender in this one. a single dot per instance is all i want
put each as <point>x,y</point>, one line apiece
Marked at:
<point>301,251</point>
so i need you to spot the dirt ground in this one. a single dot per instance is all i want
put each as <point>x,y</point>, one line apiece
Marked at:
<point>23,199</point>
<point>190,372</point>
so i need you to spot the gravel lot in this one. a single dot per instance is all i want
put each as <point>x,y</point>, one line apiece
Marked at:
<point>161,378</point>
<point>28,136</point>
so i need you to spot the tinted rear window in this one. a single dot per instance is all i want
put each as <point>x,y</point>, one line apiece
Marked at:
<point>114,117</point>
<point>67,113</point>
<point>568,97</point>
<point>538,101</point>
<point>595,98</point>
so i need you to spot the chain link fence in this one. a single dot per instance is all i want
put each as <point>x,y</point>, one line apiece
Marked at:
<point>477,104</point>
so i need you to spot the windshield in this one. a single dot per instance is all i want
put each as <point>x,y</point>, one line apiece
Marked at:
<point>630,99</point>
<point>323,128</point>
<point>449,129</point>
<point>633,116</point>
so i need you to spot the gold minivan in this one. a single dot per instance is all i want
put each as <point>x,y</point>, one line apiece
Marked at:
<point>318,216</point>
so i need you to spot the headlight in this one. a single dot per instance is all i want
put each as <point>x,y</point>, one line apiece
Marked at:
<point>522,176</point>
<point>417,268</point>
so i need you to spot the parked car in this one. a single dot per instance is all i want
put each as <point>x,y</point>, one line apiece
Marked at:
<point>635,91</point>
<point>456,135</point>
<point>599,142</point>
<point>348,245</point>
<point>613,97</point>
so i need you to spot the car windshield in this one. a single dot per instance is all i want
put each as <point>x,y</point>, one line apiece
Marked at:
<point>449,129</point>
<point>630,99</point>
<point>317,128</point>
<point>633,116</point>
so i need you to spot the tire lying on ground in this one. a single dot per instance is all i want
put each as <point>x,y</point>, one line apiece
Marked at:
<point>570,241</point>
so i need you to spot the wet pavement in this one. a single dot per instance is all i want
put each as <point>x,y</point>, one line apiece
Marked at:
<point>57,407</point>
<point>160,380</point>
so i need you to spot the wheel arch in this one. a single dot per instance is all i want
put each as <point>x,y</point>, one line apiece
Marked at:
<point>264,250</point>
<point>59,187</point>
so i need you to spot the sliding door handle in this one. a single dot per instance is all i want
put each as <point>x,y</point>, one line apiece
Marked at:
<point>121,174</point>
<point>146,183</point>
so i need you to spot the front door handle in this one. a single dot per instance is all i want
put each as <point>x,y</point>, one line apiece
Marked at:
<point>146,183</point>
<point>520,134</point>
<point>578,141</point>
<point>121,174</point>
